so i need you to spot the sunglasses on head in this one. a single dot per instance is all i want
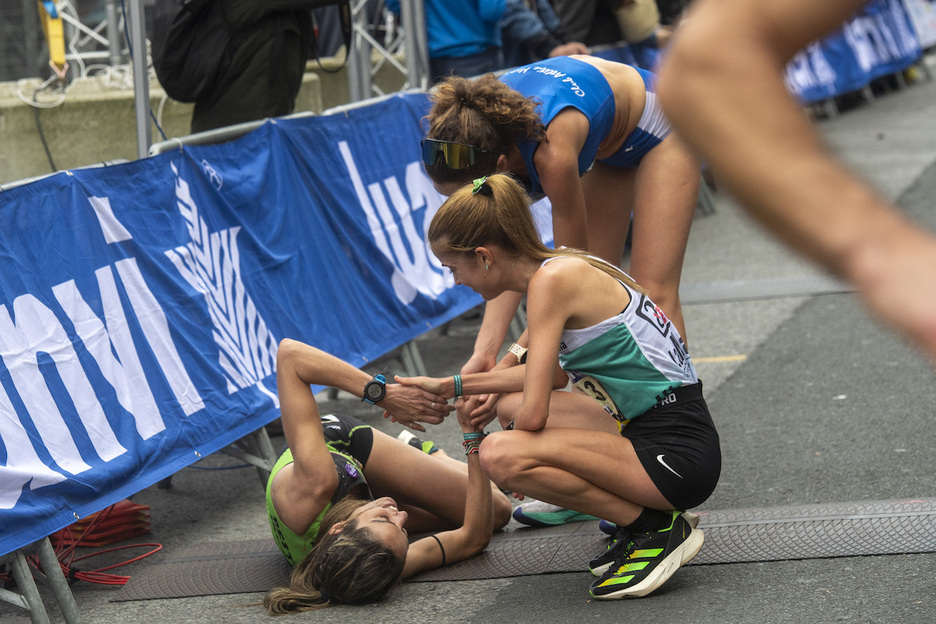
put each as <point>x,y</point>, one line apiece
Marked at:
<point>455,155</point>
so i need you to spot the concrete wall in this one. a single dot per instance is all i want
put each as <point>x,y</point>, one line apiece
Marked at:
<point>96,123</point>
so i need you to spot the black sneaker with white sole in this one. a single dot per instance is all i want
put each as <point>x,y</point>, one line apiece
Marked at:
<point>648,560</point>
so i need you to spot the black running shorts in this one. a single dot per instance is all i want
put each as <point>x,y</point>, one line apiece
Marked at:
<point>678,446</point>
<point>348,435</point>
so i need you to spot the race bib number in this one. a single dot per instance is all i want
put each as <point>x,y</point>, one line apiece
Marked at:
<point>593,388</point>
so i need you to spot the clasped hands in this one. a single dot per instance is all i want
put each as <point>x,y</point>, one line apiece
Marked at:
<point>414,400</point>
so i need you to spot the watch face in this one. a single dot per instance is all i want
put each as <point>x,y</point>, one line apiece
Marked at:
<point>374,391</point>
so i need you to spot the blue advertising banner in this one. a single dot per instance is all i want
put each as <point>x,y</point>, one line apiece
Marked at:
<point>141,304</point>
<point>878,41</point>
<point>887,36</point>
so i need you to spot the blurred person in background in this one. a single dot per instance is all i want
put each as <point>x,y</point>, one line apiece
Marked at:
<point>463,36</point>
<point>531,31</point>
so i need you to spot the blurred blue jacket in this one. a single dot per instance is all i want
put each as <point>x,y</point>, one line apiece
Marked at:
<point>458,28</point>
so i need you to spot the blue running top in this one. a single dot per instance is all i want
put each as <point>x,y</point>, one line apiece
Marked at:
<point>559,83</point>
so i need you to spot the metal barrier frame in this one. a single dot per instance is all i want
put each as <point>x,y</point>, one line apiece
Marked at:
<point>30,599</point>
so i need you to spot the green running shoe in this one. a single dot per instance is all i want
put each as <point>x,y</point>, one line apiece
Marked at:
<point>648,560</point>
<point>538,513</point>
<point>428,447</point>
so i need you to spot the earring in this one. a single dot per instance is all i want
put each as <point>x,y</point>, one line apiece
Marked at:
<point>486,267</point>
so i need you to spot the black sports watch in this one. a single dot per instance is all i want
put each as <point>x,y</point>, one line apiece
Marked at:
<point>375,390</point>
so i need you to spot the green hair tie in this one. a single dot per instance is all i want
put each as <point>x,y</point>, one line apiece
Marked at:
<point>480,187</point>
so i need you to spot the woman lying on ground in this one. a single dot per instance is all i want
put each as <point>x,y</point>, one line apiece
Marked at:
<point>636,446</point>
<point>344,496</point>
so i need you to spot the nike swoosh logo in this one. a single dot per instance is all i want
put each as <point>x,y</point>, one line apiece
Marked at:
<point>627,149</point>
<point>667,466</point>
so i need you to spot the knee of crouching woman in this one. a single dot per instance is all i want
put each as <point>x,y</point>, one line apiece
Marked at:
<point>496,458</point>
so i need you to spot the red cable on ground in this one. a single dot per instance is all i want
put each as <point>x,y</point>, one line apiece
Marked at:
<point>97,576</point>
<point>65,545</point>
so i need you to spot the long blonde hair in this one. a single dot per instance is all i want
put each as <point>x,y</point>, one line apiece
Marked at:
<point>483,112</point>
<point>500,215</point>
<point>349,567</point>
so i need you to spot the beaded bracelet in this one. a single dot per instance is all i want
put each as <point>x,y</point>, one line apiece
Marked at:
<point>472,446</point>
<point>473,442</point>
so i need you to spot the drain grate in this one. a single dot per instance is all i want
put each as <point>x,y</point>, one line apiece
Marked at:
<point>732,536</point>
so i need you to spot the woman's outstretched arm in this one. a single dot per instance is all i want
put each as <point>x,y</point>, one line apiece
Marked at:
<point>475,533</point>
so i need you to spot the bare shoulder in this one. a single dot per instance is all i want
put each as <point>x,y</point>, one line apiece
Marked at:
<point>561,265</point>
<point>585,294</point>
<point>563,275</point>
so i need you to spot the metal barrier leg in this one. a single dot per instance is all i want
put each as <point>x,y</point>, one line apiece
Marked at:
<point>412,360</point>
<point>900,80</point>
<point>52,573</point>
<point>924,67</point>
<point>30,598</point>
<point>255,449</point>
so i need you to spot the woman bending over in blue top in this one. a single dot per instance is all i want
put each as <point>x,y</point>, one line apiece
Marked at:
<point>588,134</point>
<point>635,445</point>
